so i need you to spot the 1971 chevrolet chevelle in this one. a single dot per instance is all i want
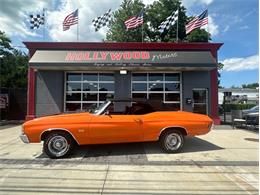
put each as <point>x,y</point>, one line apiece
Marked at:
<point>139,123</point>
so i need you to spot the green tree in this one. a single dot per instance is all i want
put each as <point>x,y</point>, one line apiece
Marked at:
<point>13,65</point>
<point>198,35</point>
<point>157,13</point>
<point>220,66</point>
<point>154,15</point>
<point>117,30</point>
<point>251,85</point>
<point>5,44</point>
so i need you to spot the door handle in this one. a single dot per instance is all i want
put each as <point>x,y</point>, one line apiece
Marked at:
<point>138,120</point>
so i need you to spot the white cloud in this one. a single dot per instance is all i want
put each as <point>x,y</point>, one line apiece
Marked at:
<point>13,16</point>
<point>148,2</point>
<point>226,28</point>
<point>87,12</point>
<point>213,27</point>
<point>240,64</point>
<point>245,27</point>
<point>190,3</point>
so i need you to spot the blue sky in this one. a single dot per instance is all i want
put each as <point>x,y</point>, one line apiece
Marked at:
<point>232,22</point>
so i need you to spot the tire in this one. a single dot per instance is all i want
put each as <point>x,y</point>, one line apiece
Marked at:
<point>58,145</point>
<point>171,141</point>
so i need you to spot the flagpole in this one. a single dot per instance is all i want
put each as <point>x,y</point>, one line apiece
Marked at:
<point>142,33</point>
<point>208,24</point>
<point>43,10</point>
<point>143,28</point>
<point>177,36</point>
<point>78,28</point>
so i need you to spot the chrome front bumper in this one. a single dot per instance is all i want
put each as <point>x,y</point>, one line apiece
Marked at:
<point>24,138</point>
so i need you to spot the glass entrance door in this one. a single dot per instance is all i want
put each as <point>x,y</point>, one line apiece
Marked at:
<point>200,101</point>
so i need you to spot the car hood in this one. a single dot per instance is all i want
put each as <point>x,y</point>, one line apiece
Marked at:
<point>61,118</point>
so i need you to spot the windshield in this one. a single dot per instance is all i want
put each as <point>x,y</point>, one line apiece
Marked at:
<point>100,109</point>
<point>255,108</point>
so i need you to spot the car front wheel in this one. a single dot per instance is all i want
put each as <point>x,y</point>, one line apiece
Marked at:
<point>172,141</point>
<point>58,145</point>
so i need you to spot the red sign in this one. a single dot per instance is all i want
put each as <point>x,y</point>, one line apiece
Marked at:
<point>107,55</point>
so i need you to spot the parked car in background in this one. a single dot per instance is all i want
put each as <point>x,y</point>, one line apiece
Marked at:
<point>251,115</point>
<point>139,122</point>
<point>254,109</point>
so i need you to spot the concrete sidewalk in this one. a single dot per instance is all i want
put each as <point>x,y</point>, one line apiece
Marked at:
<point>221,162</point>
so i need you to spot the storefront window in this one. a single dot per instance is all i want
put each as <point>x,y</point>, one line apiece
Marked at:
<point>90,86</point>
<point>155,87</point>
<point>85,91</point>
<point>90,77</point>
<point>74,77</point>
<point>158,77</point>
<point>139,87</point>
<point>106,87</point>
<point>73,86</point>
<point>172,77</point>
<point>164,87</point>
<point>172,86</point>
<point>139,77</point>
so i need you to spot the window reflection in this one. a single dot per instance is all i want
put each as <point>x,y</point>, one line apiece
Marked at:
<point>172,97</point>
<point>73,86</point>
<point>172,77</point>
<point>106,77</point>
<point>156,96</point>
<point>139,95</point>
<point>106,86</point>
<point>90,86</point>
<point>156,77</point>
<point>74,77</point>
<point>73,96</point>
<point>90,77</point>
<point>90,96</point>
<point>139,77</point>
<point>105,96</point>
<point>155,87</point>
<point>139,87</point>
<point>172,87</point>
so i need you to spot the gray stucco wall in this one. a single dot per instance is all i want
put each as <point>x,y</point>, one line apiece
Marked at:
<point>191,80</point>
<point>49,92</point>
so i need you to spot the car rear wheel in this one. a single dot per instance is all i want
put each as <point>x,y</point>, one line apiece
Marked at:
<point>58,145</point>
<point>172,141</point>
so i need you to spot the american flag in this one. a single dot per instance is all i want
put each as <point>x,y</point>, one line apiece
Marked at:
<point>197,22</point>
<point>135,21</point>
<point>70,20</point>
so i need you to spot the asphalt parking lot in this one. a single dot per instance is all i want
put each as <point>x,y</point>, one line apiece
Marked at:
<point>225,161</point>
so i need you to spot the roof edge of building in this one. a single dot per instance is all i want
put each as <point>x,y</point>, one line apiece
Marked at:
<point>123,45</point>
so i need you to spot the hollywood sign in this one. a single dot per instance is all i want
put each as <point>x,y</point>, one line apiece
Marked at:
<point>106,56</point>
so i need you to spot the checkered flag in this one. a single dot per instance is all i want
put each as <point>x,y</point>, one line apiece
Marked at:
<point>36,21</point>
<point>102,20</point>
<point>165,25</point>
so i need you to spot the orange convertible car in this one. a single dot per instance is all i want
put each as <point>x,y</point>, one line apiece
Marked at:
<point>138,123</point>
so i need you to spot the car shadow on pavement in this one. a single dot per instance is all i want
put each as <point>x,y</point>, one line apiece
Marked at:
<point>135,151</point>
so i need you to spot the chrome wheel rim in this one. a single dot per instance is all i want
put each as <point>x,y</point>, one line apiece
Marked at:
<point>173,141</point>
<point>58,145</point>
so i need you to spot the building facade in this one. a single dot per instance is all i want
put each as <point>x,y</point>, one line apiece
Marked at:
<point>71,76</point>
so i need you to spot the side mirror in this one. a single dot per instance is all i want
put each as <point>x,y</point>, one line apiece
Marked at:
<point>107,112</point>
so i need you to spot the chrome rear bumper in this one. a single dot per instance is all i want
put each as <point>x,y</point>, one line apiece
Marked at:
<point>24,138</point>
